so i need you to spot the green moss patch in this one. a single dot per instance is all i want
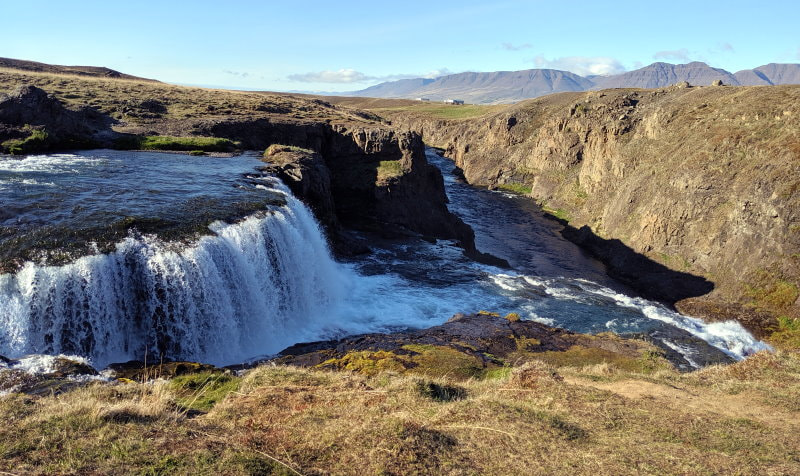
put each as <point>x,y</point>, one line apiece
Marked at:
<point>518,188</point>
<point>201,391</point>
<point>35,142</point>
<point>431,360</point>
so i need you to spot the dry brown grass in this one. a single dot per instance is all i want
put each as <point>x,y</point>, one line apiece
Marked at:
<point>739,419</point>
<point>111,96</point>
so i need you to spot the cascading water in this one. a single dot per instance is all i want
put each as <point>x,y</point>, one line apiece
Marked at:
<point>267,280</point>
<point>254,288</point>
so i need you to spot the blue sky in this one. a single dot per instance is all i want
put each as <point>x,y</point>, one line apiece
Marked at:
<point>348,45</point>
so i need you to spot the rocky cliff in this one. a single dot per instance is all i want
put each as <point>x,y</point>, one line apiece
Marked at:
<point>690,194</point>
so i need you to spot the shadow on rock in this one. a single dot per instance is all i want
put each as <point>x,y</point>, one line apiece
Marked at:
<point>653,280</point>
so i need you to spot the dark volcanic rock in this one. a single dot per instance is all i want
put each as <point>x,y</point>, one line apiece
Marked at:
<point>31,107</point>
<point>410,202</point>
<point>141,371</point>
<point>64,374</point>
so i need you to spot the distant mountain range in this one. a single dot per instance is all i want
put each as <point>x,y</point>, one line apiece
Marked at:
<point>511,86</point>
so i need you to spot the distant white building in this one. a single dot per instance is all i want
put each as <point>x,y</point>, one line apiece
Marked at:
<point>453,101</point>
<point>422,99</point>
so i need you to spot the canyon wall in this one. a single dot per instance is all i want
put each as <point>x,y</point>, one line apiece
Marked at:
<point>692,195</point>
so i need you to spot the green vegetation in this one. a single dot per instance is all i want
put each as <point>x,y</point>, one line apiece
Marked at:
<point>788,334</point>
<point>277,148</point>
<point>518,188</point>
<point>513,317</point>
<point>194,145</point>
<point>441,111</point>
<point>35,142</point>
<point>559,213</point>
<point>200,391</point>
<point>389,169</point>
<point>430,360</point>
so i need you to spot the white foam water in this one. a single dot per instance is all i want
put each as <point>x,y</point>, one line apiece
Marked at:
<point>253,288</point>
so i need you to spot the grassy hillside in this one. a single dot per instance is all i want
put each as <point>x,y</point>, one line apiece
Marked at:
<point>534,419</point>
<point>140,105</point>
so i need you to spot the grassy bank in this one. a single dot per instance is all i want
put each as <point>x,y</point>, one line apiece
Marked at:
<point>190,144</point>
<point>535,419</point>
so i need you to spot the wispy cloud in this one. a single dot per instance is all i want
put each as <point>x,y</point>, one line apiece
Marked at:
<point>726,47</point>
<point>346,75</point>
<point>673,55</point>
<point>240,74</point>
<point>513,47</point>
<point>583,65</point>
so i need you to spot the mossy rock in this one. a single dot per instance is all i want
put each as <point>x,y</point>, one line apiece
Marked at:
<point>139,371</point>
<point>430,360</point>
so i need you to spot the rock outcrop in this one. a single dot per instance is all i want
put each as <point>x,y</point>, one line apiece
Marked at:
<point>468,345</point>
<point>29,113</point>
<point>700,181</point>
<point>373,179</point>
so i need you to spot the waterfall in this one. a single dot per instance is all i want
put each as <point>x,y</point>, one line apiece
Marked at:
<point>252,288</point>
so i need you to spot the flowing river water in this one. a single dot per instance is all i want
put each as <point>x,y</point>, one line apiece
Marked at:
<point>228,266</point>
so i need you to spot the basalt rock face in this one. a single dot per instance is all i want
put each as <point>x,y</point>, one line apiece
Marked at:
<point>372,179</point>
<point>701,181</point>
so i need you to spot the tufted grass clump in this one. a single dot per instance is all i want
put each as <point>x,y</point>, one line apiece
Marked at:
<point>389,169</point>
<point>440,392</point>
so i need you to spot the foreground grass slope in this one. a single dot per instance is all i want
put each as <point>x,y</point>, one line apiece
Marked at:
<point>534,419</point>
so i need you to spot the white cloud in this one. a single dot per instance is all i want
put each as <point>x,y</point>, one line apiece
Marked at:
<point>674,55</point>
<point>582,65</point>
<point>341,76</point>
<point>432,74</point>
<point>241,74</point>
<point>726,47</point>
<point>512,47</point>
<point>353,76</point>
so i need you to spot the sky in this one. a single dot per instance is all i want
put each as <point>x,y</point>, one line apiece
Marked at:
<point>349,45</point>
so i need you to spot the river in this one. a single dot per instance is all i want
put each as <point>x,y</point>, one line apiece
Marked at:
<point>251,273</point>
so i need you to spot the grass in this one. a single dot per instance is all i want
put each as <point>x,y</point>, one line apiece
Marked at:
<point>194,145</point>
<point>389,169</point>
<point>559,213</point>
<point>110,96</point>
<point>278,148</point>
<point>36,141</point>
<point>535,419</point>
<point>202,390</point>
<point>440,111</point>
